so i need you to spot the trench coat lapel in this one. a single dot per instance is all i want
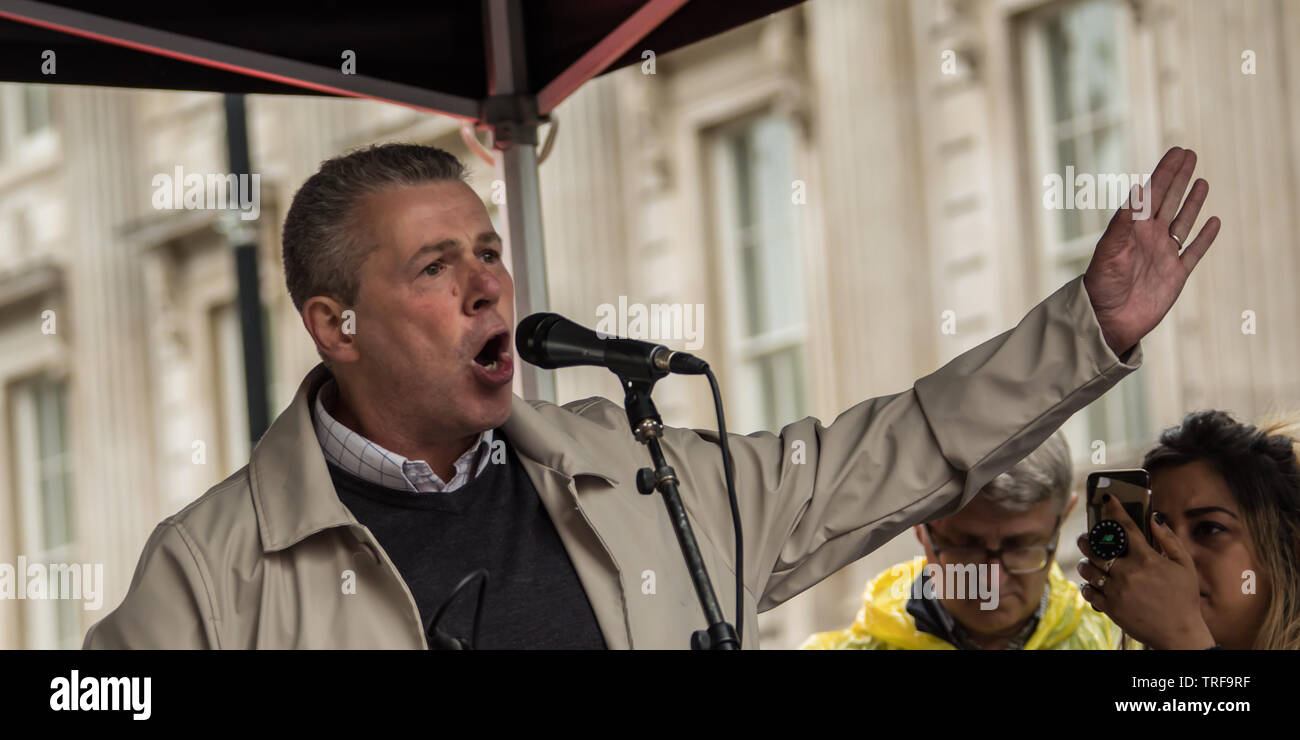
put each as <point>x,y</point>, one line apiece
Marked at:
<point>559,468</point>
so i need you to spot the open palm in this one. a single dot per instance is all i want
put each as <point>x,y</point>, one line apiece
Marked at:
<point>1137,272</point>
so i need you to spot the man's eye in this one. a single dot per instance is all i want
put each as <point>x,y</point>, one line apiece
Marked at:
<point>433,269</point>
<point>491,256</point>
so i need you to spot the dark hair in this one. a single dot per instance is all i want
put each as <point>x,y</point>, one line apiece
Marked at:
<point>323,245</point>
<point>1260,468</point>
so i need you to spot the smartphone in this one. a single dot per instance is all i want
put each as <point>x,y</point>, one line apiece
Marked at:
<point>1131,487</point>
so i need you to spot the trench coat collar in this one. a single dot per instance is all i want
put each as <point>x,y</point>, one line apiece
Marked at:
<point>294,495</point>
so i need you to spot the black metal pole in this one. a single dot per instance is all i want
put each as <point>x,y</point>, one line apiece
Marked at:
<point>647,428</point>
<point>250,301</point>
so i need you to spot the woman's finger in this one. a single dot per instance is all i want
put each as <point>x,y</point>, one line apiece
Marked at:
<point>1101,565</point>
<point>1082,543</point>
<point>1112,509</point>
<point>1096,598</point>
<point>1169,543</point>
<point>1091,573</point>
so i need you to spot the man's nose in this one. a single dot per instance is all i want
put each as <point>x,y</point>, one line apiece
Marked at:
<point>1005,576</point>
<point>484,289</point>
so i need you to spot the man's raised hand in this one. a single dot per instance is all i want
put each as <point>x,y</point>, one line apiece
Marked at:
<point>1137,272</point>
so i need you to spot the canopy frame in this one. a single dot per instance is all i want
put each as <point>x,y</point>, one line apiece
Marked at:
<point>510,111</point>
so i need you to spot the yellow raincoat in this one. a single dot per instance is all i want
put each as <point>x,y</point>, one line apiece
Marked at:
<point>883,623</point>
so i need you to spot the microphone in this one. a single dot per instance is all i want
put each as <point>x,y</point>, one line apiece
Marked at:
<point>550,341</point>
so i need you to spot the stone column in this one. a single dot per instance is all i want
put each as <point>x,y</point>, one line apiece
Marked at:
<point>110,414</point>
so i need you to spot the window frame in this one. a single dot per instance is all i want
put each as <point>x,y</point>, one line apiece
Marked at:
<point>745,351</point>
<point>42,619</point>
<point>17,145</point>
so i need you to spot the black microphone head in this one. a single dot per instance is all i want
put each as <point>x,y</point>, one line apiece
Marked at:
<point>550,341</point>
<point>530,336</point>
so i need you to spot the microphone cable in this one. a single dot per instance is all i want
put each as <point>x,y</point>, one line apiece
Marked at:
<point>729,471</point>
<point>431,629</point>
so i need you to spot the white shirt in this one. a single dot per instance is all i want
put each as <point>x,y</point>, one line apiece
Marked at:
<point>374,464</point>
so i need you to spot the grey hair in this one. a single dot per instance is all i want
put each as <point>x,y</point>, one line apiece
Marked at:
<point>323,243</point>
<point>1045,474</point>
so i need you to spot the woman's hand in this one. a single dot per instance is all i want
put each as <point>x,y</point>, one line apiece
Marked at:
<point>1155,598</point>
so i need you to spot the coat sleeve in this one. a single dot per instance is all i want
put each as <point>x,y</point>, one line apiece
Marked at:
<point>168,604</point>
<point>814,498</point>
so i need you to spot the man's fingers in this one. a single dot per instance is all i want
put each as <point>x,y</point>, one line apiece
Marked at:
<point>1161,179</point>
<point>1201,244</point>
<point>1182,224</point>
<point>1177,187</point>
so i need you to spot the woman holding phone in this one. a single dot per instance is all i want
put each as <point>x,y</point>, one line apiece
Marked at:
<point>1226,516</point>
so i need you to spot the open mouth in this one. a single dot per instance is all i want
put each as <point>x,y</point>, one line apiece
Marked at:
<point>490,356</point>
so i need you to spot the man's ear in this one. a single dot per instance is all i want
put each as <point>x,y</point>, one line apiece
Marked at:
<point>1069,506</point>
<point>924,539</point>
<point>331,327</point>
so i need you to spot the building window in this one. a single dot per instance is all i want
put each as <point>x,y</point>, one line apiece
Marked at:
<point>36,109</point>
<point>1074,63</point>
<point>42,478</point>
<point>26,123</point>
<point>758,231</point>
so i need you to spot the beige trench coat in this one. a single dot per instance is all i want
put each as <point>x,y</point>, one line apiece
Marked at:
<point>260,560</point>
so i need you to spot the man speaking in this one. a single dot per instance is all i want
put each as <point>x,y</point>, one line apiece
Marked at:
<point>405,464</point>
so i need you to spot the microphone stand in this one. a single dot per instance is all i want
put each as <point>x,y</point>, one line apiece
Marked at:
<point>647,427</point>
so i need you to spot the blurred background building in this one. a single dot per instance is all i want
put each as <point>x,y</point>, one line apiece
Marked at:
<point>852,190</point>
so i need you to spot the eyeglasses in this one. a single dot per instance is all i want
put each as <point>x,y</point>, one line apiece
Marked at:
<point>1017,560</point>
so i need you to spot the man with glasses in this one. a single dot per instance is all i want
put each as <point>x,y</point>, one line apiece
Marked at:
<point>989,580</point>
